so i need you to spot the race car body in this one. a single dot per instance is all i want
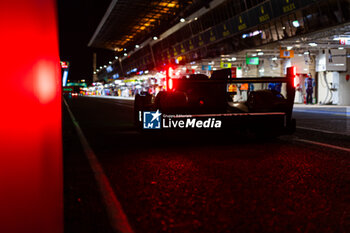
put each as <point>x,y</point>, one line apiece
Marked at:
<point>219,103</point>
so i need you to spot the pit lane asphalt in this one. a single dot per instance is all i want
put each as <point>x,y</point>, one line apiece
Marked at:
<point>204,183</point>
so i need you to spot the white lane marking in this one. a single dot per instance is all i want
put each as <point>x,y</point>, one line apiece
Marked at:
<point>318,130</point>
<point>323,144</point>
<point>117,217</point>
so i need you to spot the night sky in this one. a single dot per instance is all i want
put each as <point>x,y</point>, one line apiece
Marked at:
<point>78,21</point>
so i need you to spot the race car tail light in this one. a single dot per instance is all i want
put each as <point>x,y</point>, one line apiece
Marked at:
<point>31,180</point>
<point>170,84</point>
<point>291,73</point>
<point>169,78</point>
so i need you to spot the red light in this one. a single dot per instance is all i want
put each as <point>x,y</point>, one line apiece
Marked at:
<point>170,84</point>
<point>201,102</point>
<point>294,70</point>
<point>295,82</point>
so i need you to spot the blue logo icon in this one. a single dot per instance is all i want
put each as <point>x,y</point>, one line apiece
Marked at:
<point>151,120</point>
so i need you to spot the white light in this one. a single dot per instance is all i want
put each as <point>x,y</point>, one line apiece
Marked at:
<point>194,67</point>
<point>124,49</point>
<point>182,20</point>
<point>110,62</point>
<point>300,54</point>
<point>260,53</point>
<point>254,54</point>
<point>95,72</point>
<point>262,70</point>
<point>313,44</point>
<point>125,54</point>
<point>258,50</point>
<point>196,18</point>
<point>296,23</point>
<point>101,67</point>
<point>306,53</point>
<point>341,48</point>
<point>146,72</point>
<point>233,59</point>
<point>137,46</point>
<point>274,59</point>
<point>283,28</point>
<point>155,38</point>
<point>104,66</point>
<point>116,57</point>
<point>289,47</point>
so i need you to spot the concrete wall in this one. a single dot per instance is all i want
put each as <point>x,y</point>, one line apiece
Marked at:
<point>344,89</point>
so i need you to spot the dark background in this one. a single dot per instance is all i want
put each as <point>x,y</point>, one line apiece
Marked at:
<point>78,21</point>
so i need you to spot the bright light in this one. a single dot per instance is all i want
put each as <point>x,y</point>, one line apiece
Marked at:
<point>196,18</point>
<point>194,67</point>
<point>313,44</point>
<point>170,84</point>
<point>110,62</point>
<point>124,49</point>
<point>116,57</point>
<point>137,46</point>
<point>146,72</point>
<point>274,59</point>
<point>125,54</point>
<point>306,53</point>
<point>296,23</point>
<point>254,54</point>
<point>289,47</point>
<point>155,38</point>
<point>104,66</point>
<point>341,48</point>
<point>83,80</point>
<point>65,76</point>
<point>260,53</point>
<point>233,59</point>
<point>182,20</point>
<point>101,67</point>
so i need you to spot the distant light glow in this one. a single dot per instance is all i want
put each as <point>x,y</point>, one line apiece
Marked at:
<point>260,53</point>
<point>296,23</point>
<point>155,38</point>
<point>313,44</point>
<point>137,46</point>
<point>289,47</point>
<point>182,20</point>
<point>116,57</point>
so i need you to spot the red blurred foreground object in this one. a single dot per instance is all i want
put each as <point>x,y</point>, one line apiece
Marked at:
<point>31,197</point>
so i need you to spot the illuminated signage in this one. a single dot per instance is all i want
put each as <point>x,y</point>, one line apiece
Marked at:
<point>252,61</point>
<point>64,64</point>
<point>286,53</point>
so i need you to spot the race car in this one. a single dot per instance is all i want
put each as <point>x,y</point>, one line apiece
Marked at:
<point>220,103</point>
